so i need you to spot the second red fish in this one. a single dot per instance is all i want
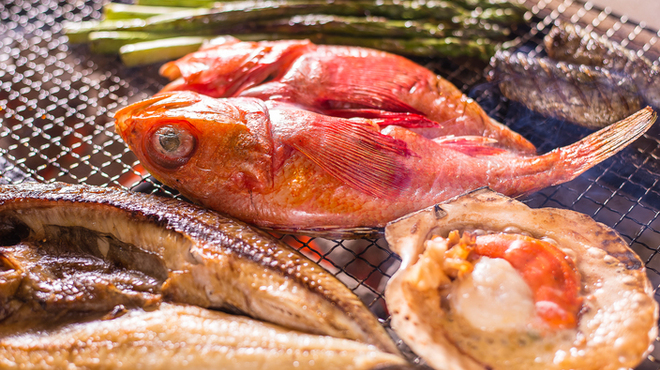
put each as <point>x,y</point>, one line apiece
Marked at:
<point>340,81</point>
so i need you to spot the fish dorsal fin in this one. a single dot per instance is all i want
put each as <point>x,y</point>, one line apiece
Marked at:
<point>352,151</point>
<point>470,145</point>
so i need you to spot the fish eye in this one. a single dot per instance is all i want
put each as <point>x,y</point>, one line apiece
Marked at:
<point>171,145</point>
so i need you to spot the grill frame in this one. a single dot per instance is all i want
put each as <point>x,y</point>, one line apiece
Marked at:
<point>57,100</point>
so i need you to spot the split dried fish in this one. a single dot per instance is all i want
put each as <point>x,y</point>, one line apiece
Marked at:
<point>145,248</point>
<point>589,96</point>
<point>573,44</point>
<point>186,337</point>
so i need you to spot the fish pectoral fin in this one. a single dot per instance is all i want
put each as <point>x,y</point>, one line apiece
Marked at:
<point>470,145</point>
<point>385,118</point>
<point>356,154</point>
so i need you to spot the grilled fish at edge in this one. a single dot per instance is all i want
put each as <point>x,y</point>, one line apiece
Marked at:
<point>589,96</point>
<point>340,81</point>
<point>573,44</point>
<point>101,247</point>
<point>277,166</point>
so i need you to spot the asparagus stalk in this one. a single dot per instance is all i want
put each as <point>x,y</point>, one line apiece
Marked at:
<point>466,4</point>
<point>503,16</point>
<point>450,47</point>
<point>375,27</point>
<point>109,42</point>
<point>337,24</point>
<point>193,20</point>
<point>163,50</point>
<point>496,4</point>
<point>392,9</point>
<point>230,15</point>
<point>178,3</point>
<point>116,11</point>
<point>149,52</point>
<point>78,32</point>
<point>168,49</point>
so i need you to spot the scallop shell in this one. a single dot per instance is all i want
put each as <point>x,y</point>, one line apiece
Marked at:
<point>618,321</point>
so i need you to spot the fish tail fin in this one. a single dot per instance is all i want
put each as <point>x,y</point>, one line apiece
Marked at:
<point>600,145</point>
<point>566,163</point>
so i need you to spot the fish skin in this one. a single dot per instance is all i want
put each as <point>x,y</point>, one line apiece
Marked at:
<point>175,336</point>
<point>340,81</point>
<point>573,44</point>
<point>592,97</point>
<point>310,164</point>
<point>197,256</point>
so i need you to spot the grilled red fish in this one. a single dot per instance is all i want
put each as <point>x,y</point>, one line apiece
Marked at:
<point>340,81</point>
<point>277,166</point>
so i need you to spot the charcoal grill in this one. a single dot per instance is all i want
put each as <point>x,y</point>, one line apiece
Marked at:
<point>57,100</point>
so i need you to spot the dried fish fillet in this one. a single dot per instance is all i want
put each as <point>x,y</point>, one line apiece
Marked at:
<point>589,96</point>
<point>521,288</point>
<point>185,337</point>
<point>573,44</point>
<point>196,257</point>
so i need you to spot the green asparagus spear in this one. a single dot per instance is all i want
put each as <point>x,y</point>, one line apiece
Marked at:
<point>503,16</point>
<point>115,11</point>
<point>373,27</point>
<point>178,3</point>
<point>109,42</point>
<point>167,49</point>
<point>194,20</point>
<point>391,9</point>
<point>148,52</point>
<point>450,47</point>
<point>230,15</point>
<point>466,4</point>
<point>78,32</point>
<point>495,4</point>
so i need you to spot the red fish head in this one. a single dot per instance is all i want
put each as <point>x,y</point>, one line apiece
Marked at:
<point>228,68</point>
<point>199,144</point>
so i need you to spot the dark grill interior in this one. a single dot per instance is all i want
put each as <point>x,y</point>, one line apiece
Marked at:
<point>57,101</point>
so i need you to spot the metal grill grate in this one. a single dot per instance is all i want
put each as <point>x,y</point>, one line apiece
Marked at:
<point>56,104</point>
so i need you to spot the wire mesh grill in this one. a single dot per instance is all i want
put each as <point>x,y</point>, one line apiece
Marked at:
<point>57,100</point>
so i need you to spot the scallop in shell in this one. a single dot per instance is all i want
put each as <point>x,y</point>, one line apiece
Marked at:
<point>488,283</point>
